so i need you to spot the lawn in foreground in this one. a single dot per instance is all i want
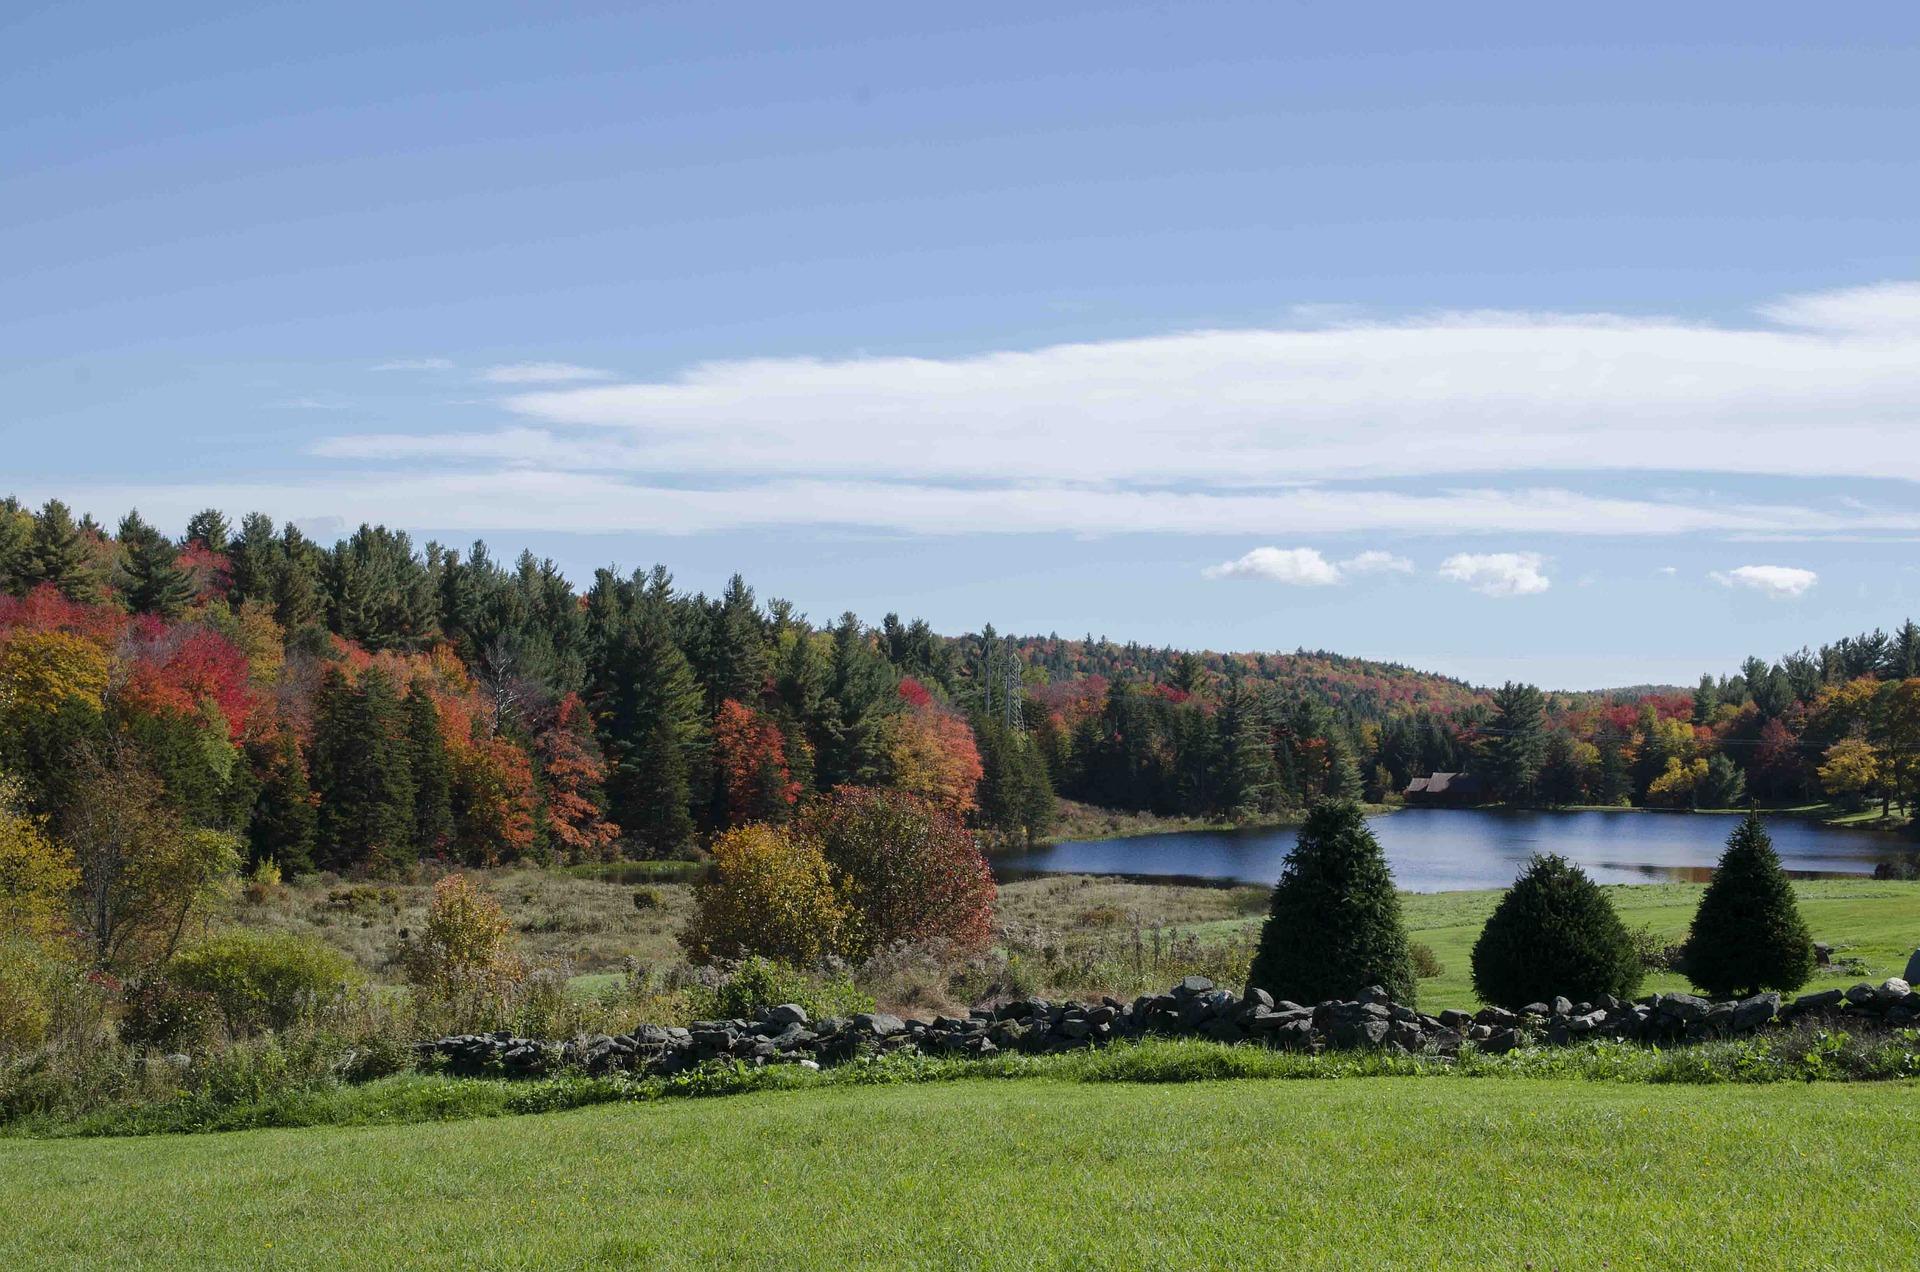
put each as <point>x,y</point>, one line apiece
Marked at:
<point>1349,1173</point>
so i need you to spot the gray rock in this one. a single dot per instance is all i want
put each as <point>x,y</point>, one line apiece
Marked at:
<point>1913,969</point>
<point>879,1024</point>
<point>1685,1007</point>
<point>1366,1031</point>
<point>1816,1001</point>
<point>788,1014</point>
<point>1862,994</point>
<point>1751,1013</point>
<point>1892,990</point>
<point>1192,986</point>
<point>1562,1006</point>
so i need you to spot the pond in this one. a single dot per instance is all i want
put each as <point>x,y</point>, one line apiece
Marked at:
<point>1441,849</point>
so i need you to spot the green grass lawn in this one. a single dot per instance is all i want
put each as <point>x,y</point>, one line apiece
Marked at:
<point>1357,1173</point>
<point>1868,919</point>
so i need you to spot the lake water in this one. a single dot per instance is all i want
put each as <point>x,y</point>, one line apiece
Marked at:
<point>1440,849</point>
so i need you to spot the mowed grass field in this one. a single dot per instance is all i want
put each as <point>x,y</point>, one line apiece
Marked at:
<point>1356,1173</point>
<point>1875,922</point>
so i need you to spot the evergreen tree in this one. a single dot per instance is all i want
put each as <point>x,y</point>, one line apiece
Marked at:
<point>1516,743</point>
<point>432,773</point>
<point>379,593</point>
<point>282,823</point>
<point>1747,934</point>
<point>299,592</point>
<point>1246,745</point>
<point>16,532</point>
<point>736,648</point>
<point>1333,928</point>
<point>649,711</point>
<point>208,529</point>
<point>60,552</point>
<point>1015,796</point>
<point>863,691</point>
<point>150,578</point>
<point>361,768</point>
<point>253,561</point>
<point>1554,933</point>
<point>1725,786</point>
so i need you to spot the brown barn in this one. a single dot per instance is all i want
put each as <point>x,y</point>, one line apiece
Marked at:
<point>1444,788</point>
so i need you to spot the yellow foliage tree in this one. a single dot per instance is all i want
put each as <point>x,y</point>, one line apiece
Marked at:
<point>37,874</point>
<point>465,945</point>
<point>1851,768</point>
<point>1676,784</point>
<point>771,893</point>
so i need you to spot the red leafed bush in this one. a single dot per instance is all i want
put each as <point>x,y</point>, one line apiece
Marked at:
<point>910,871</point>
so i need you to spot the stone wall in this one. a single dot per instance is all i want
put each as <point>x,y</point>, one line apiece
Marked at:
<point>1193,1008</point>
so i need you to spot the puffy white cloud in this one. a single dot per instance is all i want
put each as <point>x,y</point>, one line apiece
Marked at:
<point>1306,566</point>
<point>1777,582</point>
<point>542,373</point>
<point>1300,566</point>
<point>1498,573</point>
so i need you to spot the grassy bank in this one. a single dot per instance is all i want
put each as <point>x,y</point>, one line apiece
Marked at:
<point>1360,1173</point>
<point>1874,927</point>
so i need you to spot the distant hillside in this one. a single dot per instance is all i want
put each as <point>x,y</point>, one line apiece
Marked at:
<point>1359,687</point>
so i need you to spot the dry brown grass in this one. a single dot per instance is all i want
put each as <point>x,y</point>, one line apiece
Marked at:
<point>558,919</point>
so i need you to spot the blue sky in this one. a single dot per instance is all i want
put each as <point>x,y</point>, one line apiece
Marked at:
<point>1504,341</point>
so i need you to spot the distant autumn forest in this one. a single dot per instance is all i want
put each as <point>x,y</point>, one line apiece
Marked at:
<point>367,704</point>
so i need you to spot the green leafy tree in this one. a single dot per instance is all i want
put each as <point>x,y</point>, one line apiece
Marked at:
<point>1747,934</point>
<point>1333,927</point>
<point>1554,933</point>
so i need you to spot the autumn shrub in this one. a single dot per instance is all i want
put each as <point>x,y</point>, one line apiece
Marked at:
<point>909,871</point>
<point>465,946</point>
<point>647,898</point>
<point>1333,926</point>
<point>263,981</point>
<point>1554,933</point>
<point>770,893</point>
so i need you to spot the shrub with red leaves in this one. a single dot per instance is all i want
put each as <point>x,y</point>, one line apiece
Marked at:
<point>910,871</point>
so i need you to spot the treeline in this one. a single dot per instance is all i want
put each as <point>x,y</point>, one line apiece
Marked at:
<point>365,704</point>
<point>1841,722</point>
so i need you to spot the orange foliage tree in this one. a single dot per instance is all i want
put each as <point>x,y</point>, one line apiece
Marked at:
<point>752,758</point>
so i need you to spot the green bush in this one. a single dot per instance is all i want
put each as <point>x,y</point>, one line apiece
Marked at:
<point>261,981</point>
<point>1554,933</point>
<point>755,984</point>
<point>647,898</point>
<point>1747,934</point>
<point>1333,927</point>
<point>1427,964</point>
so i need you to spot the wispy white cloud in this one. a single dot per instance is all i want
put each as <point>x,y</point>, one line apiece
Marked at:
<point>415,364</point>
<point>1337,426</point>
<point>1375,561</point>
<point>542,373</point>
<point>1498,573</point>
<point>1776,582</point>
<point>1879,309</point>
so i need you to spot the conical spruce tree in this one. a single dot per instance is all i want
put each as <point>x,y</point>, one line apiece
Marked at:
<point>432,773</point>
<point>1554,933</point>
<point>1334,925</point>
<point>1747,934</point>
<point>283,818</point>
